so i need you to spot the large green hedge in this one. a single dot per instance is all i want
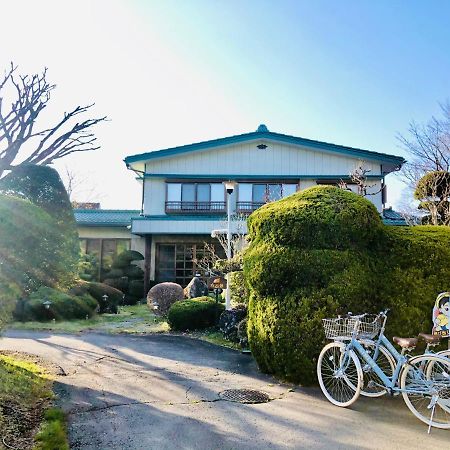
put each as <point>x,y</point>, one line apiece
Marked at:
<point>325,251</point>
<point>42,186</point>
<point>31,246</point>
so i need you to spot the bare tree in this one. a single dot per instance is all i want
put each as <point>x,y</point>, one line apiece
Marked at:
<point>30,95</point>
<point>428,145</point>
<point>359,177</point>
<point>214,263</point>
<point>79,186</point>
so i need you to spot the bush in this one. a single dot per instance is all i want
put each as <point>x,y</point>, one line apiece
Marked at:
<point>194,314</point>
<point>162,296</point>
<point>126,276</point>
<point>42,186</point>
<point>32,247</point>
<point>242,333</point>
<point>9,295</point>
<point>97,291</point>
<point>238,287</point>
<point>323,252</point>
<point>229,321</point>
<point>63,307</point>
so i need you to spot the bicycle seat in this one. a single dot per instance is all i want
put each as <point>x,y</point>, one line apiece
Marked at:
<point>430,338</point>
<point>405,342</point>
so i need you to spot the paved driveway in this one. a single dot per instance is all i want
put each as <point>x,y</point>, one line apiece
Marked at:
<point>161,392</point>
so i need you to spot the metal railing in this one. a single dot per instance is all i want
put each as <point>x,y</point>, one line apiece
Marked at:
<point>195,207</point>
<point>248,207</point>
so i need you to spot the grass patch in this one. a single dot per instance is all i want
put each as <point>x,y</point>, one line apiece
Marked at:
<point>214,337</point>
<point>25,395</point>
<point>53,433</point>
<point>132,319</point>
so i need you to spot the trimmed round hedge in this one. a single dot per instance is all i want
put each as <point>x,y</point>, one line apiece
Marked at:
<point>194,314</point>
<point>323,252</point>
<point>63,307</point>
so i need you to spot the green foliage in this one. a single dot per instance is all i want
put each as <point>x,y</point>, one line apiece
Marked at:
<point>322,217</point>
<point>126,276</point>
<point>323,252</point>
<point>97,291</point>
<point>32,248</point>
<point>433,184</point>
<point>53,433</point>
<point>88,267</point>
<point>124,259</point>
<point>433,189</point>
<point>9,294</point>
<point>238,287</point>
<point>63,306</point>
<point>194,314</point>
<point>42,186</point>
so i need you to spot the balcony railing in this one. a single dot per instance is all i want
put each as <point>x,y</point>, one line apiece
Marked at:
<point>247,207</point>
<point>195,207</point>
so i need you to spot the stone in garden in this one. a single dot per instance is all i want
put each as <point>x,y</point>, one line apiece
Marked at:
<point>196,288</point>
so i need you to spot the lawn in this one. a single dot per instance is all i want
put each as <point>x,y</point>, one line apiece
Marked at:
<point>27,419</point>
<point>131,319</point>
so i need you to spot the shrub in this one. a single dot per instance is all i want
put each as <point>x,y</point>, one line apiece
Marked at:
<point>194,314</point>
<point>239,290</point>
<point>229,321</point>
<point>97,291</point>
<point>162,296</point>
<point>32,248</point>
<point>242,333</point>
<point>9,295</point>
<point>126,276</point>
<point>323,252</point>
<point>63,307</point>
<point>42,186</point>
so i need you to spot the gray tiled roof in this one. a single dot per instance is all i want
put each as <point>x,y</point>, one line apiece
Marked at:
<point>105,217</point>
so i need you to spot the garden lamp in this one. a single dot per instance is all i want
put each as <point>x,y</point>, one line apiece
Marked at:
<point>47,303</point>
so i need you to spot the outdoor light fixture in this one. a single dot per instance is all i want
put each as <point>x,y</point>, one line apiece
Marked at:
<point>229,186</point>
<point>262,146</point>
<point>47,304</point>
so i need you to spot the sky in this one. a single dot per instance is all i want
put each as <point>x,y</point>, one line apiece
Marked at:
<point>173,72</point>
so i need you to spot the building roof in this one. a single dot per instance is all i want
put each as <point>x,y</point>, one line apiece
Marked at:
<point>391,217</point>
<point>262,133</point>
<point>105,217</point>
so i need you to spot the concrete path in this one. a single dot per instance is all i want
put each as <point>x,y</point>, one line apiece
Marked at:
<point>161,392</point>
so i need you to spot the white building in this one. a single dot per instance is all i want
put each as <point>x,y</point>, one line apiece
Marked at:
<point>184,198</point>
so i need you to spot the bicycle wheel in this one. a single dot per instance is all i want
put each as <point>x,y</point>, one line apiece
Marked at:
<point>385,362</point>
<point>339,374</point>
<point>430,371</point>
<point>427,392</point>
<point>445,353</point>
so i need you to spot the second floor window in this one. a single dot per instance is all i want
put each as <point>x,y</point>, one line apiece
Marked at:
<point>195,197</point>
<point>254,195</point>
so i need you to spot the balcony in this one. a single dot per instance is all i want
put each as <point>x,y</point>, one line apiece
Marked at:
<point>248,207</point>
<point>195,207</point>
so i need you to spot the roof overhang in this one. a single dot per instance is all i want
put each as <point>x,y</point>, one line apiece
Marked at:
<point>389,163</point>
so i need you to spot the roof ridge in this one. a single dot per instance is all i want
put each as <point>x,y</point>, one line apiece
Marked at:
<point>254,134</point>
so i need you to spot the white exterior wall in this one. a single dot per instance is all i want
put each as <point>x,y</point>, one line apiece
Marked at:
<point>277,159</point>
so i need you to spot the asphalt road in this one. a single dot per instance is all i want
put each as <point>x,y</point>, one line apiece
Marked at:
<point>161,392</point>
